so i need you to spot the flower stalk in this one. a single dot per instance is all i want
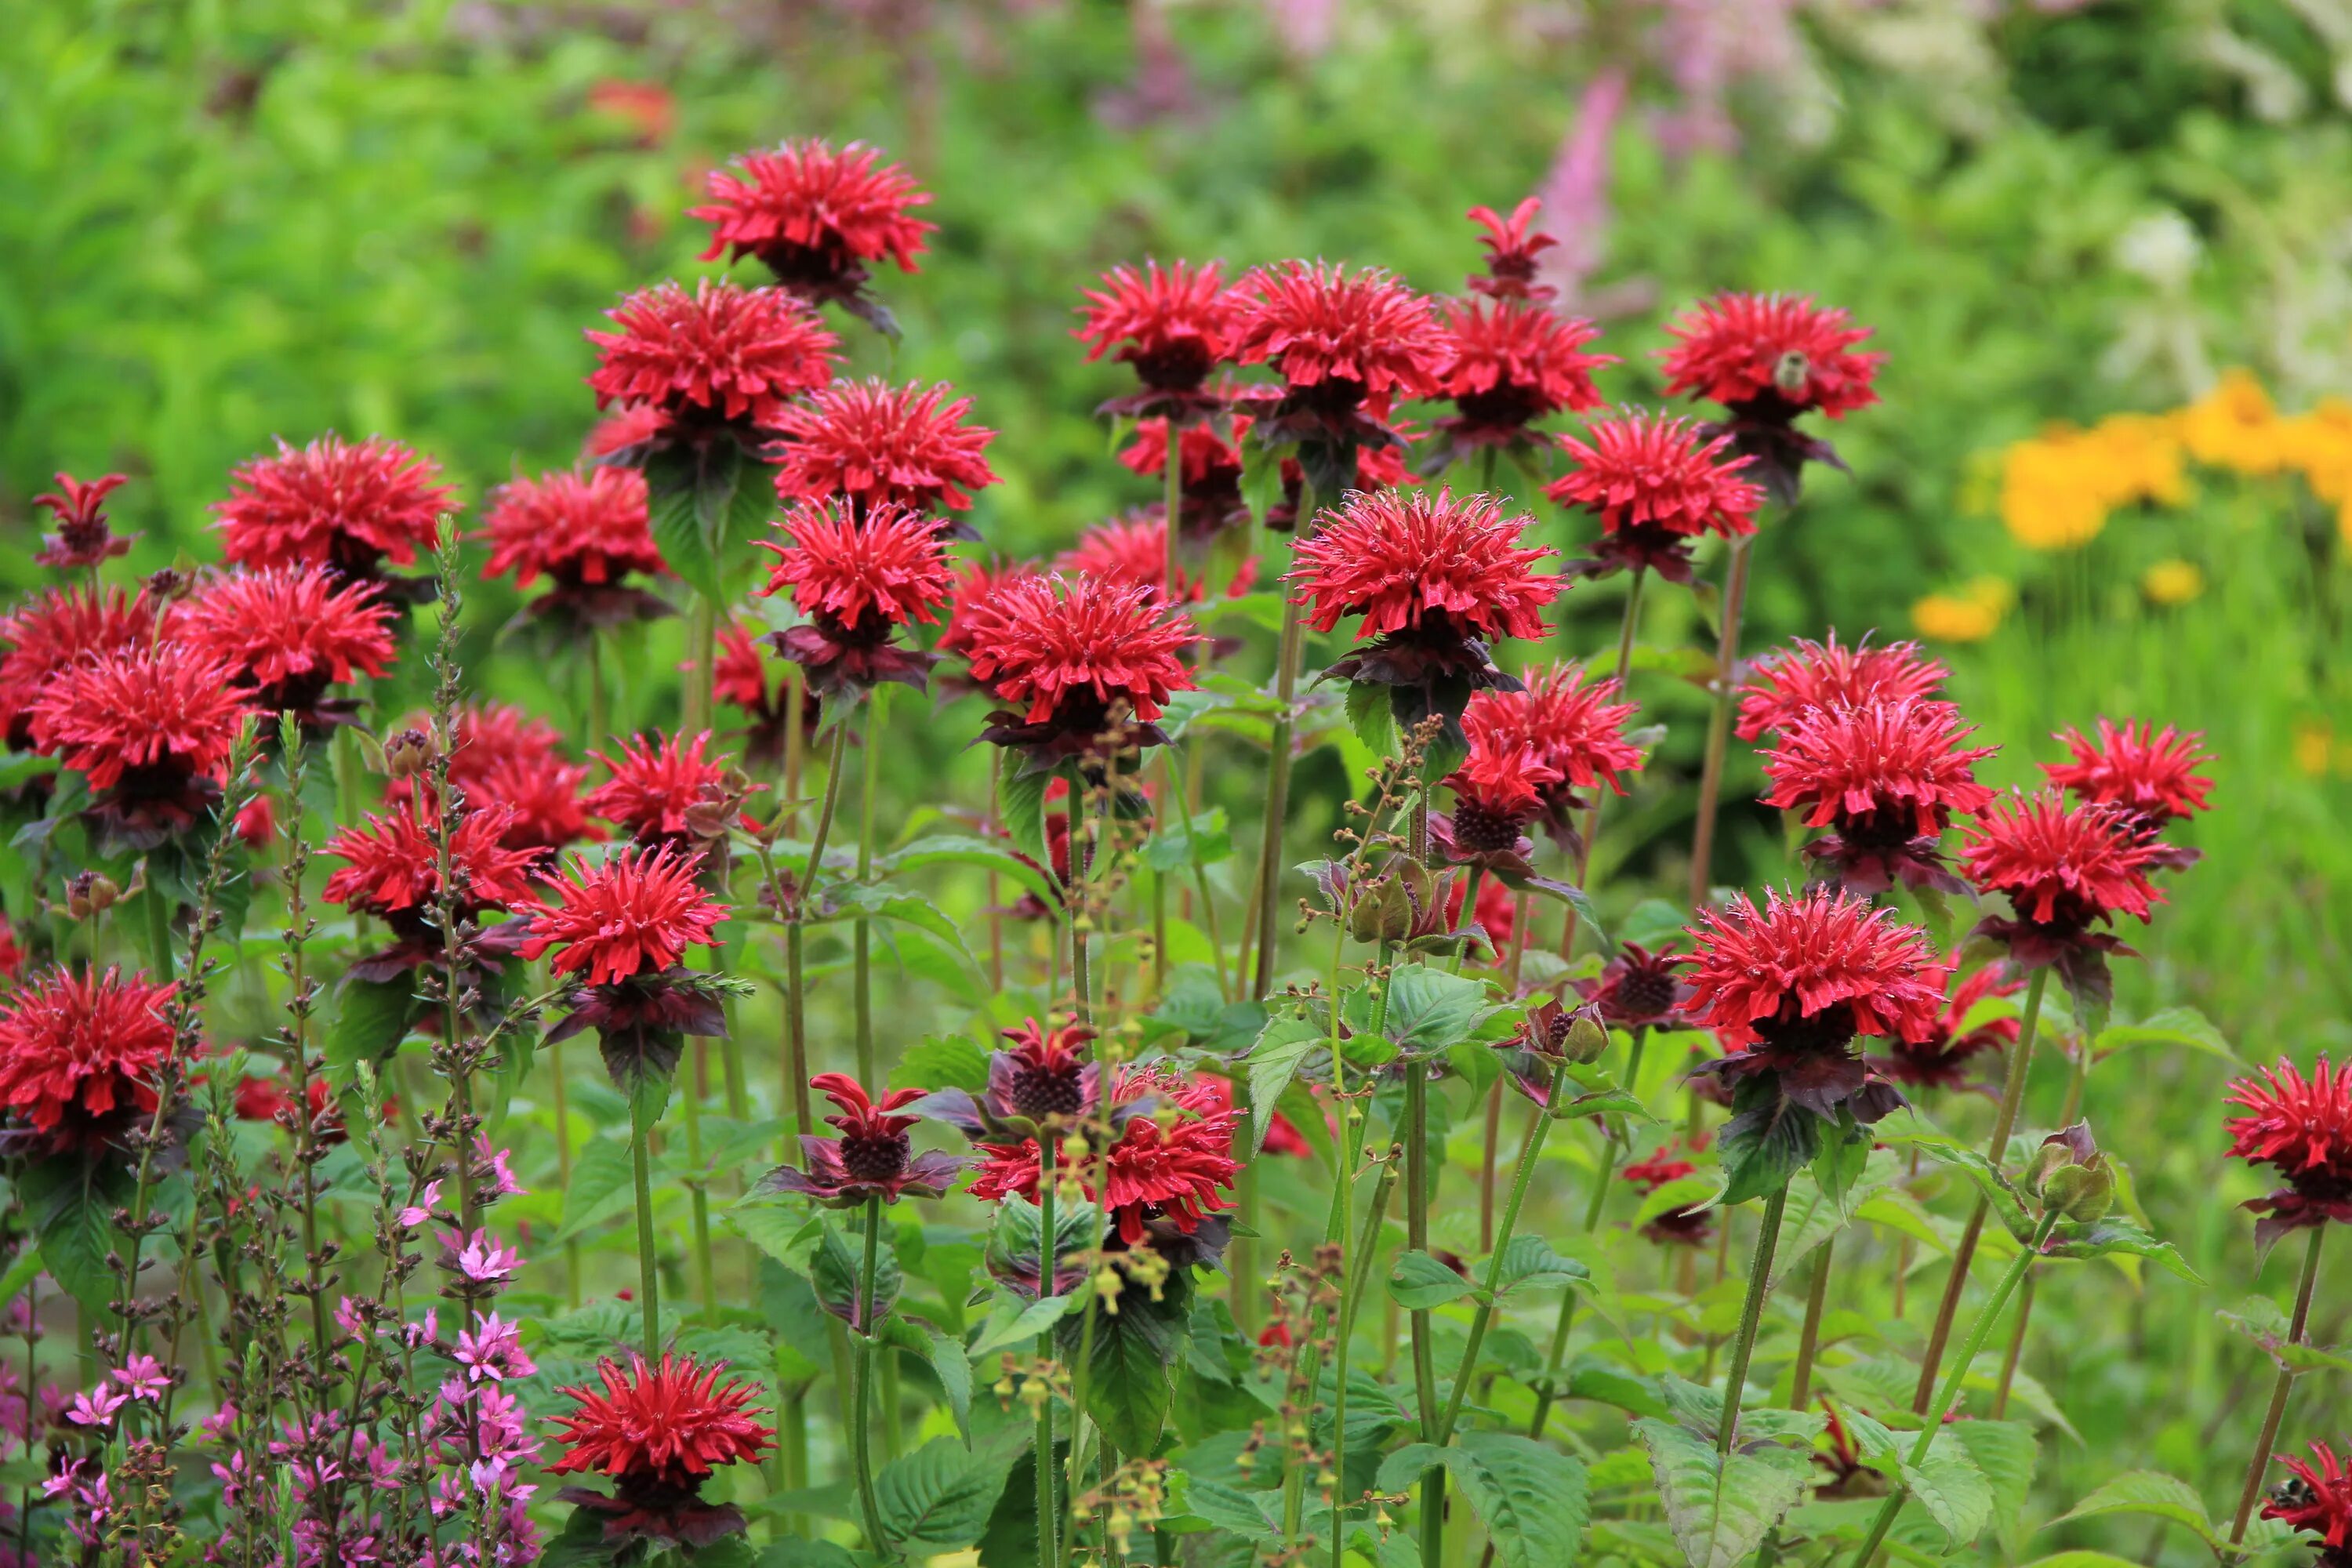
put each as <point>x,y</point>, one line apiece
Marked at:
<point>2297,1329</point>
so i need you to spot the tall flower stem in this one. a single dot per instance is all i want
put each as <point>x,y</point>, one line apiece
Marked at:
<point>1622,674</point>
<point>1049,1514</point>
<point>702,641</point>
<point>1718,723</point>
<point>648,1273</point>
<point>599,719</point>
<point>796,1073</point>
<point>862,929</point>
<point>2279,1390</point>
<point>1081,871</point>
<point>563,1165</point>
<point>1800,1386</point>
<point>1977,1334</point>
<point>698,1191</point>
<point>861,1418</point>
<point>1277,773</point>
<point>1759,1280</point>
<point>2076,1082</point>
<point>1172,507</point>
<point>1424,1358</point>
<point>2021,1057</point>
<point>1356,1270</point>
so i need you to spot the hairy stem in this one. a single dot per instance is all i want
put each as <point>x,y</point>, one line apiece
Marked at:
<point>861,1419</point>
<point>1800,1387</point>
<point>862,929</point>
<point>1759,1280</point>
<point>648,1273</point>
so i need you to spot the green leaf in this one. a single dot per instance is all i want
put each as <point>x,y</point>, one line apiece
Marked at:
<point>1252,1516</point>
<point>834,1271</point>
<point>2261,1321</point>
<point>1419,1282</point>
<point>943,1061</point>
<point>1173,847</point>
<point>2183,1027</point>
<point>372,1017</point>
<point>1286,1042</point>
<point>1369,716</point>
<point>71,1206</point>
<point>1432,1011</point>
<point>1947,1484</point>
<point>1812,1217</point>
<point>1529,1263</point>
<point>2106,1237</point>
<point>947,1359</point>
<point>937,1500</point>
<point>674,513</point>
<point>1128,1379</point>
<point>1023,1327</point>
<point>1653,923</point>
<point>2155,1494</point>
<point>1021,806</point>
<point>950,849</point>
<point>2005,1453</point>
<point>1531,1499</point>
<point>601,1186</point>
<point>1768,1139</point>
<point>1721,1506</point>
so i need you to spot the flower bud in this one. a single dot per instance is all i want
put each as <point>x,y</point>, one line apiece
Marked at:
<point>1587,1036</point>
<point>408,752</point>
<point>2080,1192</point>
<point>169,585</point>
<point>90,893</point>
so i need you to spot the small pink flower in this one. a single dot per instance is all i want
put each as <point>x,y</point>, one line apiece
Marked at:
<point>492,1349</point>
<point>424,1331</point>
<point>481,1257</point>
<point>220,1427</point>
<point>417,1214</point>
<point>502,1182</point>
<point>97,1407</point>
<point>143,1378</point>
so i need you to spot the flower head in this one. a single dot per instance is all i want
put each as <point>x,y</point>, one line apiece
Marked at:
<point>58,629</point>
<point>1827,674</point>
<point>2064,870</point>
<point>1940,1059</point>
<point>659,1432</point>
<point>1347,345</point>
<point>79,1051</point>
<point>1512,244</point>
<point>392,867</point>
<point>2316,1498</point>
<point>1758,352</point>
<point>871,1157</point>
<point>1575,727</point>
<point>291,632</point>
<point>1639,989</point>
<point>1886,778</point>
<point>501,756</point>
<point>586,532</point>
<point>1499,788</point>
<point>2302,1128</point>
<point>859,580</point>
<point>1209,498</point>
<point>635,915</point>
<point>1045,1080</point>
<point>2152,774</point>
<point>657,786</point>
<point>150,726</point>
<point>1817,967</point>
<point>817,216</point>
<point>351,506</point>
<point>1134,550</point>
<point>1075,658</point>
<point>1657,483</point>
<point>972,614</point>
<point>83,538</point>
<point>867,444</point>
<point>1173,324</point>
<point>1509,365</point>
<point>719,360</point>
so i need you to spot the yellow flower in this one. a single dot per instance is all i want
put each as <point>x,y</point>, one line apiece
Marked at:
<point>2172,582</point>
<point>2318,445</point>
<point>1971,615</point>
<point>2058,488</point>
<point>2315,743</point>
<point>2236,426</point>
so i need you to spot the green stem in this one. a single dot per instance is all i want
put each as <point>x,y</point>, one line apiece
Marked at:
<point>1277,773</point>
<point>861,1419</point>
<point>1759,1280</point>
<point>706,1276</point>
<point>1611,1152</point>
<point>1424,1358</point>
<point>1719,724</point>
<point>1049,1514</point>
<point>649,1275</point>
<point>2279,1391</point>
<point>797,1062</point>
<point>862,929</point>
<point>1081,871</point>
<point>2012,1094</point>
<point>563,1166</point>
<point>159,928</point>
<point>599,721</point>
<point>1800,1387</point>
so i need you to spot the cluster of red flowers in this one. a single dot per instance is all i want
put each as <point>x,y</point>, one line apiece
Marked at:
<point>657,1433</point>
<point>2302,1128</point>
<point>79,1051</point>
<point>1075,660</point>
<point>1886,778</point>
<point>351,506</point>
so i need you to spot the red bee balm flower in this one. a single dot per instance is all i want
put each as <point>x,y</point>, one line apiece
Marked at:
<point>1497,790</point>
<point>58,628</point>
<point>585,531</point>
<point>1174,325</point>
<point>1209,499</point>
<point>2302,1128</point>
<point>872,1158</point>
<point>1575,729</point>
<point>151,727</point>
<point>719,361</point>
<point>1768,358</point>
<point>2150,773</point>
<point>1886,778</point>
<point>351,506</point>
<point>1657,483</point>
<point>1941,1060</point>
<point>2065,870</point>
<point>1639,989</point>
<point>1135,550</point>
<point>859,580</point>
<point>1512,244</point>
<point>1828,673</point>
<point>1509,364</point>
<point>2317,1500</point>
<point>393,870</point>
<point>78,1053</point>
<point>1086,656</point>
<point>1045,1080</point>
<point>83,538</point>
<point>1669,1163</point>
<point>501,756</point>
<point>659,1432</point>
<point>868,444</point>
<point>970,613</point>
<point>656,787</point>
<point>817,216</point>
<point>633,916</point>
<point>291,632</point>
<point>1346,345</point>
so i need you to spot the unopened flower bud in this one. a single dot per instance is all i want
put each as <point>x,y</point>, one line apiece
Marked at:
<point>2080,1192</point>
<point>408,752</point>
<point>90,893</point>
<point>1587,1036</point>
<point>170,584</point>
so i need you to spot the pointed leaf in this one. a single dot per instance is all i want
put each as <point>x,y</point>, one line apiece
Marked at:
<point>1719,1506</point>
<point>1420,1282</point>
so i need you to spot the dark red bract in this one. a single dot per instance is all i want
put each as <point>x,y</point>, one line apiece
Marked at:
<point>871,1157</point>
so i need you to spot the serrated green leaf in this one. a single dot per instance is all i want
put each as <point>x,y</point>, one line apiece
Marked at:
<point>1419,1282</point>
<point>2261,1321</point>
<point>1432,1011</point>
<point>1371,717</point>
<point>952,849</point>
<point>2183,1027</point>
<point>1129,1382</point>
<point>372,1017</point>
<point>1288,1041</point>
<point>1721,1506</point>
<point>1947,1484</point>
<point>1021,806</point>
<point>1531,1499</point>
<point>937,1500</point>
<point>1531,1263</point>
<point>2005,1453</point>
<point>602,1186</point>
<point>2153,1493</point>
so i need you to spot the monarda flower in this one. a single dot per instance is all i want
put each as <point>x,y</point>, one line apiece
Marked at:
<point>860,578</point>
<point>289,633</point>
<point>501,755</point>
<point>1509,365</point>
<point>664,791</point>
<point>1349,346</point>
<point>150,729</point>
<point>1886,778</point>
<point>2316,1498</point>
<point>1670,1162</point>
<point>1768,358</point>
<point>871,1158</point>
<point>657,1433</point>
<point>1046,1079</point>
<point>1787,989</point>
<point>720,362</point>
<point>1512,244</point>
<point>1784,685</point>
<point>1134,550</point>
<point>1941,1058</point>
<point>739,680</point>
<point>1209,498</point>
<point>1639,989</point>
<point>2302,1128</point>
<point>818,217</point>
<point>1497,790</point>
<point>79,1052</point>
<point>82,539</point>
<point>1173,324</point>
<point>620,934</point>
<point>2152,774</point>
<point>1657,484</point>
<point>1434,579</point>
<point>971,614</point>
<point>584,532</point>
<point>2065,870</point>
<point>1083,667</point>
<point>868,445</point>
<point>56,630</point>
<point>351,506</point>
<point>393,871</point>
<point>1576,729</point>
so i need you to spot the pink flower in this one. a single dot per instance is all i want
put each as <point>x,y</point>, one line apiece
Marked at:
<point>492,1349</point>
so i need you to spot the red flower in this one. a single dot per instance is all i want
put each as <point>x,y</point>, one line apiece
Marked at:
<point>289,633</point>
<point>502,756</point>
<point>1497,790</point>
<point>2064,870</point>
<point>1657,483</point>
<point>659,1432</point>
<point>151,727</point>
<point>1210,495</point>
<point>1169,1168</point>
<point>1346,345</point>
<point>970,613</point>
<point>586,531</point>
<point>740,678</point>
<point>1134,550</point>
<point>2319,1502</point>
<point>1639,989</point>
<point>871,1158</point>
<point>635,915</point>
<point>2150,773</point>
<point>1808,674</point>
<point>1509,365</point>
<point>719,358</point>
<point>334,503</point>
<point>1776,352</point>
<point>393,870</point>
<point>1886,776</point>
<point>60,628</point>
<point>1575,730</point>
<point>83,538</point>
<point>816,215</point>
<point>859,580</point>
<point>1074,658</point>
<point>1174,325</point>
<point>871,445</point>
<point>2301,1127</point>
<point>1819,966</point>
<point>78,1053</point>
<point>1941,1060</point>
<point>1512,244</point>
<point>627,428</point>
<point>656,787</point>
